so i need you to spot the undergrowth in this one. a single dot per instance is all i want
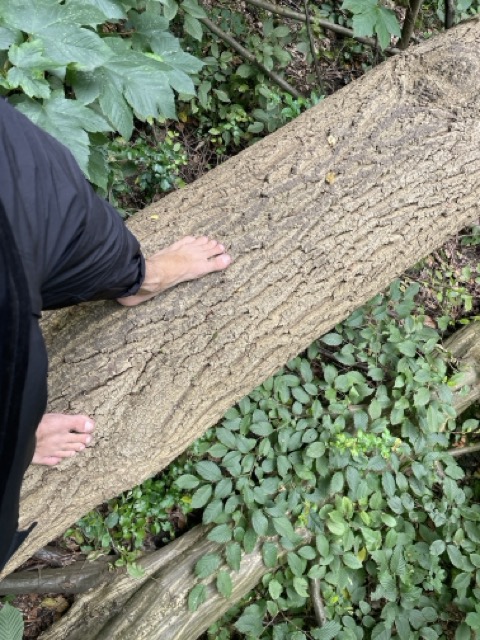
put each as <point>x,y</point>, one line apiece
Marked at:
<point>340,467</point>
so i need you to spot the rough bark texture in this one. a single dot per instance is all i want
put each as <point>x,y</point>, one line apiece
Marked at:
<point>319,217</point>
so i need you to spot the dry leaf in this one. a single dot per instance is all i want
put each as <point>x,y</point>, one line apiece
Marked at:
<point>330,177</point>
<point>332,141</point>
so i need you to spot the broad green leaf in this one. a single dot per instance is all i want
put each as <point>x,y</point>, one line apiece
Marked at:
<point>259,522</point>
<point>251,621</point>
<point>66,120</point>
<point>351,560</point>
<point>212,511</point>
<point>193,27</point>
<point>207,565</point>
<point>8,37</point>
<point>315,450</point>
<point>115,108</point>
<point>274,589</point>
<point>11,623</point>
<point>332,339</point>
<point>196,597</point>
<point>224,584</point>
<point>30,81</point>
<point>328,631</point>
<point>301,586</point>
<point>473,620</point>
<point>249,540</point>
<point>111,10</point>
<point>193,8</point>
<point>297,565</point>
<point>221,533</point>
<point>463,632</point>
<point>233,554</point>
<point>201,496</point>
<point>283,527</point>
<point>208,470</point>
<point>269,554</point>
<point>364,23</point>
<point>187,481</point>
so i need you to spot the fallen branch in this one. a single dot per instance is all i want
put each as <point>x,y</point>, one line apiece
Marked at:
<point>325,24</point>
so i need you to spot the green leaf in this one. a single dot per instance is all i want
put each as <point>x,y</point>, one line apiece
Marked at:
<point>8,37</point>
<point>473,620</point>
<point>274,589</point>
<point>332,339</point>
<point>364,23</point>
<point>196,597</point>
<point>233,554</point>
<point>221,533</point>
<point>208,470</point>
<point>437,547</point>
<point>315,450</point>
<point>259,522</point>
<point>463,632</point>
<point>408,348</point>
<point>115,109</point>
<point>249,540</point>
<point>193,27</point>
<point>193,8</point>
<point>328,631</point>
<point>457,558</point>
<point>224,584</point>
<point>269,554</point>
<point>297,565</point>
<point>351,560</point>
<point>283,527</point>
<point>11,623</point>
<point>66,120</point>
<point>212,511</point>
<point>207,565</point>
<point>31,82</point>
<point>251,621</point>
<point>201,496</point>
<point>421,397</point>
<point>301,586</point>
<point>187,481</point>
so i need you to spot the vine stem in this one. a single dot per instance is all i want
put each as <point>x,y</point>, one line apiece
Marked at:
<point>246,55</point>
<point>462,451</point>
<point>317,601</point>
<point>301,17</point>
<point>312,48</point>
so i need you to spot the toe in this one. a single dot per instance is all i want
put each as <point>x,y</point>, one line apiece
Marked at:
<point>203,240</point>
<point>77,440</point>
<point>220,262</point>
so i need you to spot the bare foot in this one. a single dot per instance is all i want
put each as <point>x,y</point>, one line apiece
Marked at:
<point>186,259</point>
<point>61,436</point>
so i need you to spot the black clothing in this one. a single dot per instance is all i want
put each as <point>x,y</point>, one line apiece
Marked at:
<point>61,244</point>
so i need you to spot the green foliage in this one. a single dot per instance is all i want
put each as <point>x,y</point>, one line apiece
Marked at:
<point>371,18</point>
<point>123,525</point>
<point>80,70</point>
<point>349,444</point>
<point>140,169</point>
<point>11,623</point>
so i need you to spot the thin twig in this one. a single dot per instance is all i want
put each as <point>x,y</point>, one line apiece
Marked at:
<point>409,23</point>
<point>317,602</point>
<point>312,48</point>
<point>463,451</point>
<point>301,17</point>
<point>231,42</point>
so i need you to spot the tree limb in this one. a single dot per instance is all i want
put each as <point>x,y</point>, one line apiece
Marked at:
<point>301,17</point>
<point>409,23</point>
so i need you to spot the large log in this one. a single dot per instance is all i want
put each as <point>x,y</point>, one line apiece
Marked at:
<point>319,217</point>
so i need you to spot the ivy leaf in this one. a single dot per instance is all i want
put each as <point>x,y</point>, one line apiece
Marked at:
<point>224,583</point>
<point>196,597</point>
<point>207,565</point>
<point>193,27</point>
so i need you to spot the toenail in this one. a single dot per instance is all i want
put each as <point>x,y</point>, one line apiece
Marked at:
<point>88,426</point>
<point>88,439</point>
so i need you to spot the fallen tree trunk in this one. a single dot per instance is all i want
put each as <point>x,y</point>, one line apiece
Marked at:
<point>319,217</point>
<point>154,606</point>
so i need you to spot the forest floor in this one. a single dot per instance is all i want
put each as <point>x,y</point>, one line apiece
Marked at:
<point>449,278</point>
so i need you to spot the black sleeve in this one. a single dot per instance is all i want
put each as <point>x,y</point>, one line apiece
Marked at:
<point>74,246</point>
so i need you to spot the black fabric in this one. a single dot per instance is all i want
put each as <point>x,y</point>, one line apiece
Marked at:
<point>14,352</point>
<point>59,244</point>
<point>74,246</point>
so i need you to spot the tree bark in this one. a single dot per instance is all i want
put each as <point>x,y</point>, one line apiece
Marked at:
<point>154,607</point>
<point>319,217</point>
